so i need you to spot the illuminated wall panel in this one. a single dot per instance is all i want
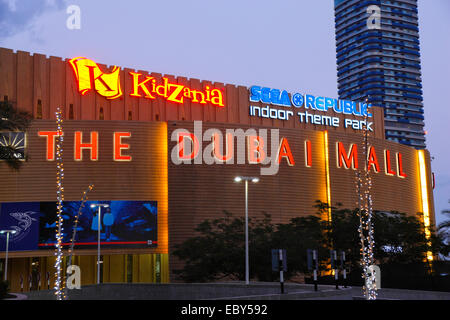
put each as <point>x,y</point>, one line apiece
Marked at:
<point>424,196</point>
<point>143,178</point>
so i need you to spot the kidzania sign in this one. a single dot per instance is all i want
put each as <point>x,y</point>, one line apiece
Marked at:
<point>278,98</point>
<point>90,77</point>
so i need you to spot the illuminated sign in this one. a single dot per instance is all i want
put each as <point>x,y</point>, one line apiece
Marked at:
<point>274,97</point>
<point>89,76</point>
<point>253,148</point>
<point>148,88</point>
<point>93,145</point>
<point>12,145</point>
<point>281,98</point>
<point>424,198</point>
<point>123,224</point>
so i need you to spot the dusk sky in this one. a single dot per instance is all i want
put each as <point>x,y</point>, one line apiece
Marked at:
<point>281,44</point>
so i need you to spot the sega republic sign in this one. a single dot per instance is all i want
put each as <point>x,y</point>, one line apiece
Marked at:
<point>292,108</point>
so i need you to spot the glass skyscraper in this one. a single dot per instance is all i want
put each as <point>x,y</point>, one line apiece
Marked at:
<point>378,60</point>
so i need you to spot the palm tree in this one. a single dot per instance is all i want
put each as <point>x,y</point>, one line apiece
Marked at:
<point>12,122</point>
<point>444,234</point>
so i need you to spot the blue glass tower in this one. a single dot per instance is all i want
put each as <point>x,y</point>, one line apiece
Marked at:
<point>378,59</point>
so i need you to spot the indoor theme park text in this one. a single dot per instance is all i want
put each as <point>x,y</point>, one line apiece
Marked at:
<point>278,98</point>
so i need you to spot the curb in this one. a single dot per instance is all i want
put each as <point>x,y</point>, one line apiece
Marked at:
<point>18,296</point>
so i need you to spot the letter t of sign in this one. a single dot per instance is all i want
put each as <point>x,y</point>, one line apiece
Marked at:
<point>51,135</point>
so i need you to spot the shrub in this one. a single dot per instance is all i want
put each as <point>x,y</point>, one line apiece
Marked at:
<point>4,289</point>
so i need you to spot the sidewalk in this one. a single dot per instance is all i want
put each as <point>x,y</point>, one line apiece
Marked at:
<point>390,294</point>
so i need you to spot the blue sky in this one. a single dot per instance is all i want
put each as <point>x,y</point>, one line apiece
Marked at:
<point>280,44</point>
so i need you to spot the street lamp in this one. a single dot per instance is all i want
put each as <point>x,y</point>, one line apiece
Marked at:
<point>254,180</point>
<point>7,245</point>
<point>99,205</point>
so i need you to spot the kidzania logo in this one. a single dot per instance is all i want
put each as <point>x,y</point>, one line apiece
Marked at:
<point>90,77</point>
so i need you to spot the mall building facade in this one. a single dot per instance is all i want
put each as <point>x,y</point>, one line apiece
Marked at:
<point>167,149</point>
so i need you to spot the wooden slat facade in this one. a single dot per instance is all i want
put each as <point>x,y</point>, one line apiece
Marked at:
<point>199,192</point>
<point>39,84</point>
<point>144,178</point>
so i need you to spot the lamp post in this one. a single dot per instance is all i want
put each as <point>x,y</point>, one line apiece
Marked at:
<point>99,205</point>
<point>7,245</point>
<point>246,180</point>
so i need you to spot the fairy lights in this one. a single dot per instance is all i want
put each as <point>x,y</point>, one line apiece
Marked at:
<point>59,205</point>
<point>84,198</point>
<point>365,230</point>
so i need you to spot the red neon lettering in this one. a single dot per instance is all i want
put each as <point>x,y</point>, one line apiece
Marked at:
<point>177,94</point>
<point>90,76</point>
<point>164,87</point>
<point>256,153</point>
<point>93,146</point>
<point>373,161</point>
<point>119,146</point>
<point>50,143</point>
<point>181,149</point>
<point>217,97</point>
<point>285,152</point>
<point>347,159</point>
<point>387,163</point>
<point>308,154</point>
<point>195,93</point>
<point>173,92</point>
<point>208,94</point>
<point>141,85</point>
<point>400,172</point>
<point>229,148</point>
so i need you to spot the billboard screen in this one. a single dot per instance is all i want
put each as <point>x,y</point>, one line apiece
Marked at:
<point>23,218</point>
<point>123,224</point>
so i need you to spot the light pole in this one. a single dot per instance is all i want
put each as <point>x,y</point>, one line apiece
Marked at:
<point>99,205</point>
<point>254,180</point>
<point>7,245</point>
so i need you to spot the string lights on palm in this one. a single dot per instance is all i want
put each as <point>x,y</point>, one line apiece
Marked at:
<point>365,230</point>
<point>84,198</point>
<point>59,284</point>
